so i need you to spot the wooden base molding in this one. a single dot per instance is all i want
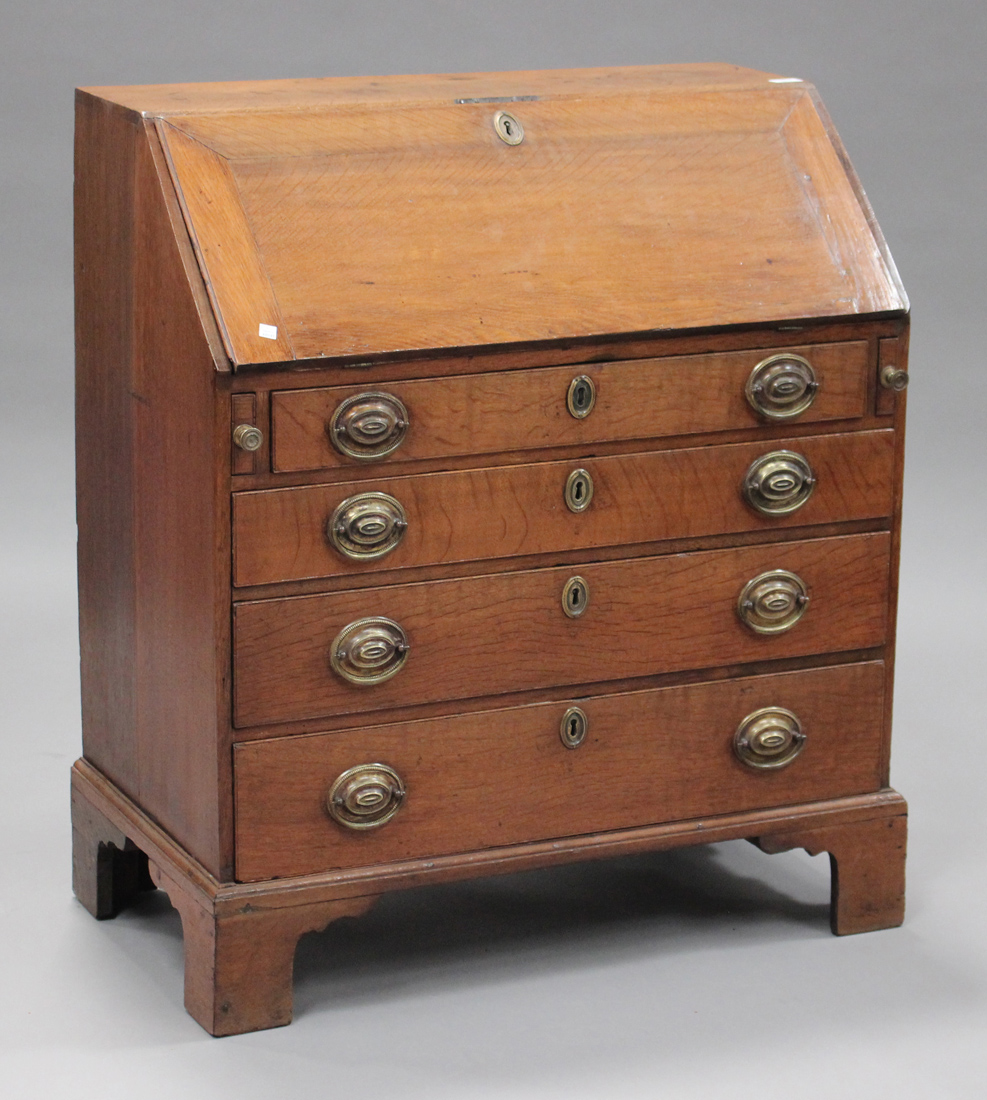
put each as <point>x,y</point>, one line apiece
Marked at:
<point>240,939</point>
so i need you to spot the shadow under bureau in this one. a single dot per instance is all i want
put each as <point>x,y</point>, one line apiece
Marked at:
<point>475,473</point>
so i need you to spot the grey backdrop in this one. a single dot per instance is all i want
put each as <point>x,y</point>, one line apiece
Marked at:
<point>708,973</point>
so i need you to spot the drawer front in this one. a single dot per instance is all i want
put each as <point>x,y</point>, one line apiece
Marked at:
<point>466,515</point>
<point>518,410</point>
<point>508,632</point>
<point>505,777</point>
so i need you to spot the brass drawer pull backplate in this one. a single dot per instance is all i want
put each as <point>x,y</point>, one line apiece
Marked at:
<point>769,738</point>
<point>366,796</point>
<point>369,651</point>
<point>367,526</point>
<point>368,425</point>
<point>781,387</point>
<point>778,483</point>
<point>772,602</point>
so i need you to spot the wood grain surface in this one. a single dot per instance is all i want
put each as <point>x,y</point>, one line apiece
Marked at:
<point>500,777</point>
<point>390,225</point>
<point>867,861</point>
<point>513,410</point>
<point>507,632</point>
<point>153,495</point>
<point>280,534</point>
<point>239,287</point>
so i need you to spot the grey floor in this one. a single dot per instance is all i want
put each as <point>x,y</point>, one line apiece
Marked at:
<point>705,973</point>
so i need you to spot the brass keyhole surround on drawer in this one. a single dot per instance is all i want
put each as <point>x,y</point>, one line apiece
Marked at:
<point>573,727</point>
<point>366,796</point>
<point>369,651</point>
<point>772,602</point>
<point>367,526</point>
<point>778,483</point>
<point>581,396</point>
<point>769,738</point>
<point>368,425</point>
<point>575,597</point>
<point>578,491</point>
<point>781,387</point>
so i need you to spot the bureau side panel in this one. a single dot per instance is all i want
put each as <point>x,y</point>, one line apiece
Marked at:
<point>104,171</point>
<point>154,595</point>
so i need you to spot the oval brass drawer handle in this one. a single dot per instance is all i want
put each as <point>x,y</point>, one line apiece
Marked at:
<point>781,387</point>
<point>772,602</point>
<point>367,526</point>
<point>369,651</point>
<point>769,738</point>
<point>366,796</point>
<point>368,425</point>
<point>778,483</point>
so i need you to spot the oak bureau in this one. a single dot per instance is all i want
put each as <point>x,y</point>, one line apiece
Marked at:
<point>475,473</point>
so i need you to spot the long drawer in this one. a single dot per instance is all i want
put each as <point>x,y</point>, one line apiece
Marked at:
<point>468,515</point>
<point>505,776</point>
<point>509,632</point>
<point>517,410</point>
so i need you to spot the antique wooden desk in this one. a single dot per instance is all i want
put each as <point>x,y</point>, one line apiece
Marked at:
<point>475,473</point>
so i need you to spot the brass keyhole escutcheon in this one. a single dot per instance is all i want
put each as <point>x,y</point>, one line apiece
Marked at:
<point>368,425</point>
<point>778,483</point>
<point>772,602</point>
<point>508,128</point>
<point>366,796</point>
<point>578,491</point>
<point>581,396</point>
<point>573,728</point>
<point>781,387</point>
<point>575,597</point>
<point>769,738</point>
<point>369,651</point>
<point>367,526</point>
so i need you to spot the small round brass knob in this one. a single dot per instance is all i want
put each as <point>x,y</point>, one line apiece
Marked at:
<point>368,425</point>
<point>573,728</point>
<point>578,492</point>
<point>247,437</point>
<point>781,387</point>
<point>778,483</point>
<point>894,378</point>
<point>581,396</point>
<point>369,651</point>
<point>772,602</point>
<point>367,526</point>
<point>366,796</point>
<point>769,738</point>
<point>575,597</point>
